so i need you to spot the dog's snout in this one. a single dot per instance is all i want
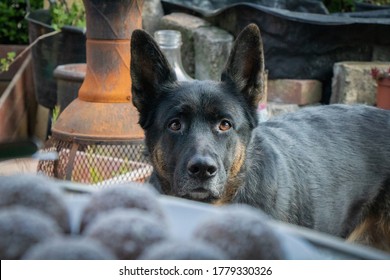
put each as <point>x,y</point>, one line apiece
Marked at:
<point>202,167</point>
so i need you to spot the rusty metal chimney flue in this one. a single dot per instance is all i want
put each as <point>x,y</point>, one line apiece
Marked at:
<point>97,136</point>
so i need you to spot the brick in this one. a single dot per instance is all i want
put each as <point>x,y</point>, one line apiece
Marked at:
<point>186,24</point>
<point>300,92</point>
<point>212,48</point>
<point>352,82</point>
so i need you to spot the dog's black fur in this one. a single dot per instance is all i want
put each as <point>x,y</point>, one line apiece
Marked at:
<point>326,168</point>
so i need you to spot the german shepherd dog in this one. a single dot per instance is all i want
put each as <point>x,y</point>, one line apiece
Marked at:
<point>325,168</point>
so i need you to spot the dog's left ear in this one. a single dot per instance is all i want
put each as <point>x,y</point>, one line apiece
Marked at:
<point>245,66</point>
<point>150,71</point>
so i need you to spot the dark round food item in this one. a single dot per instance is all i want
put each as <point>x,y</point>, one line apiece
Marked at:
<point>242,233</point>
<point>130,195</point>
<point>35,191</point>
<point>126,232</point>
<point>69,248</point>
<point>21,228</point>
<point>180,250</point>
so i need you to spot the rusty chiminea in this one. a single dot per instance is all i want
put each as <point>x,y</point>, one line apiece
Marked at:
<point>97,136</point>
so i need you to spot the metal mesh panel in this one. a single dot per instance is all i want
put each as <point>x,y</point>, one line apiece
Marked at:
<point>97,163</point>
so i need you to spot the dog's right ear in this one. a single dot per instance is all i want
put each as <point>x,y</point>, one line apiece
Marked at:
<point>149,69</point>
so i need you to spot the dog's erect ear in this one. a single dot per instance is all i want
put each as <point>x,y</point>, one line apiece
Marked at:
<point>150,70</point>
<point>245,66</point>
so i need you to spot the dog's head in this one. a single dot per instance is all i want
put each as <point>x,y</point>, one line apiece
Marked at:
<point>197,132</point>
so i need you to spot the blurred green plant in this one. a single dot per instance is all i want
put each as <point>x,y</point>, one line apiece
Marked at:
<point>337,6</point>
<point>55,114</point>
<point>63,13</point>
<point>13,27</point>
<point>5,62</point>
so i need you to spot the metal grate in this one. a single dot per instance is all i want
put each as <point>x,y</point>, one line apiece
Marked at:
<point>101,163</point>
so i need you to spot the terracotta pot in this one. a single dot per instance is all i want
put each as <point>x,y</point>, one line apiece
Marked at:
<point>383,94</point>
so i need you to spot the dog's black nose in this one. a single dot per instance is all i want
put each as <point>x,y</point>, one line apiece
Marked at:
<point>202,167</point>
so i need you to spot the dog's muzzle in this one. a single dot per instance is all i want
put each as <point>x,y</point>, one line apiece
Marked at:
<point>200,179</point>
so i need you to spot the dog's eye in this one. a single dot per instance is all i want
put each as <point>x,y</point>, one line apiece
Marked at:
<point>174,125</point>
<point>225,125</point>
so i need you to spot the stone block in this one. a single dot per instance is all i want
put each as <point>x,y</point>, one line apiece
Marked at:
<point>152,12</point>
<point>352,82</point>
<point>186,24</point>
<point>212,48</point>
<point>300,92</point>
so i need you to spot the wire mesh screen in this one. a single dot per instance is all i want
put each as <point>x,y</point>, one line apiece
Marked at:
<point>102,163</point>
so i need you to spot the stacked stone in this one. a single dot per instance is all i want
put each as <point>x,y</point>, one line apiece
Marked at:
<point>205,47</point>
<point>352,82</point>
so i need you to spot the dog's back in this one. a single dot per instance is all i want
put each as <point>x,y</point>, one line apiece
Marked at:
<point>326,168</point>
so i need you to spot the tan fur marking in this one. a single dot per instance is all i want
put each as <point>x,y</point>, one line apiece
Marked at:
<point>373,231</point>
<point>233,182</point>
<point>238,160</point>
<point>158,160</point>
<point>160,167</point>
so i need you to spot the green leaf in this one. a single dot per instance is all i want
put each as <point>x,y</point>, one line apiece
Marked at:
<point>11,55</point>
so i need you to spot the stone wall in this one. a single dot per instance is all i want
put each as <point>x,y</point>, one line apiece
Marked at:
<point>206,49</point>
